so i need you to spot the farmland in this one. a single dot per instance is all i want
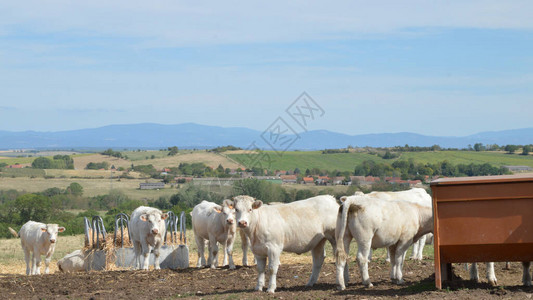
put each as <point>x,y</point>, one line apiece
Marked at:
<point>347,161</point>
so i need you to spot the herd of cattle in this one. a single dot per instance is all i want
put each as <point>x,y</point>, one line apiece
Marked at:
<point>393,220</point>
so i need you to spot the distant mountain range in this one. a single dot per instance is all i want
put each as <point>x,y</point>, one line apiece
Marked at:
<point>190,135</point>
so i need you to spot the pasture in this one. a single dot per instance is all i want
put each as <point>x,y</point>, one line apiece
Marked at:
<point>238,284</point>
<point>347,161</point>
<point>91,187</point>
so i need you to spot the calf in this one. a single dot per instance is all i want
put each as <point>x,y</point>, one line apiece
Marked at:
<point>216,223</point>
<point>39,239</point>
<point>147,228</point>
<point>73,262</point>
<point>377,223</point>
<point>297,227</point>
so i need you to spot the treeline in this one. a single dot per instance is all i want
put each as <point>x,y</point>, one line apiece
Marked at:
<point>183,169</point>
<point>224,149</point>
<point>57,162</point>
<point>510,148</point>
<point>333,151</point>
<point>412,170</point>
<point>97,165</point>
<point>111,152</point>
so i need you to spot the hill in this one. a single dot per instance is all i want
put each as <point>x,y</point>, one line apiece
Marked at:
<point>190,135</point>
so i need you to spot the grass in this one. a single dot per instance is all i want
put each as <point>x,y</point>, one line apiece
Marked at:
<point>24,172</point>
<point>348,161</point>
<point>12,256</point>
<point>91,187</point>
<point>208,158</point>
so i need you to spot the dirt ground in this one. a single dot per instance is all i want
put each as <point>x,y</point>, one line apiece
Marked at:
<point>238,284</point>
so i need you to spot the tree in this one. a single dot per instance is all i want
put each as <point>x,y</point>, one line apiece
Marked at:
<point>479,147</point>
<point>526,149</point>
<point>511,148</point>
<point>42,163</point>
<point>75,189</point>
<point>172,151</point>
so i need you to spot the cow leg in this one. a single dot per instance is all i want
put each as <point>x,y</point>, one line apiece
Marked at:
<point>343,274</point>
<point>273,265</point>
<point>137,249</point>
<point>261,264</point>
<point>388,255</point>
<point>318,259</point>
<point>146,248</point>
<point>157,249</point>
<point>213,251</point>
<point>491,277</point>
<point>200,244</point>
<point>401,251</point>
<point>28,259</point>
<point>393,260</point>
<point>421,243</point>
<point>474,274</point>
<point>244,245</point>
<point>363,249</point>
<point>415,251</point>
<point>229,251</point>
<point>47,262</point>
<point>526,277</point>
<point>225,253</point>
<point>37,270</point>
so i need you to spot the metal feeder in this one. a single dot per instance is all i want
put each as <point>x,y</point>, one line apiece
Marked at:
<point>96,258</point>
<point>170,256</point>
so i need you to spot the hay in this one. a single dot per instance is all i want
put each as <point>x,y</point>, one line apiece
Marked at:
<point>109,246</point>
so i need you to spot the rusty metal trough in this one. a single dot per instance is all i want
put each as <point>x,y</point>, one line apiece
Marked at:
<point>481,219</point>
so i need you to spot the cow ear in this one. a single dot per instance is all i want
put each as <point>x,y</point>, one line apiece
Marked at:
<point>217,208</point>
<point>228,203</point>
<point>143,217</point>
<point>61,229</point>
<point>343,198</point>
<point>43,229</point>
<point>257,204</point>
<point>164,216</point>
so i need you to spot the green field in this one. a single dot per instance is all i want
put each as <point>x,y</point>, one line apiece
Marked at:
<point>348,161</point>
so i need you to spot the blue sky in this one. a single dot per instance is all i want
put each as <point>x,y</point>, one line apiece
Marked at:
<point>448,68</point>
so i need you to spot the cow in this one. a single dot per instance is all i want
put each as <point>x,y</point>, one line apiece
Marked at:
<point>39,239</point>
<point>376,223</point>
<point>415,195</point>
<point>216,223</point>
<point>296,227</point>
<point>73,262</point>
<point>147,229</point>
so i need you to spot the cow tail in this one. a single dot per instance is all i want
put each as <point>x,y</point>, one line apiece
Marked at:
<point>13,232</point>
<point>340,254</point>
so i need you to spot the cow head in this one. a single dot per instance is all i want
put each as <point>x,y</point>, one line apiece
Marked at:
<point>227,210</point>
<point>51,230</point>
<point>244,205</point>
<point>155,221</point>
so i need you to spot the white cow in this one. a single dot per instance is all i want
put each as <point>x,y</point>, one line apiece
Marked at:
<point>297,227</point>
<point>73,262</point>
<point>377,223</point>
<point>415,195</point>
<point>147,228</point>
<point>39,239</point>
<point>216,223</point>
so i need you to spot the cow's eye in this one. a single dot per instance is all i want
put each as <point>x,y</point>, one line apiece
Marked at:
<point>250,210</point>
